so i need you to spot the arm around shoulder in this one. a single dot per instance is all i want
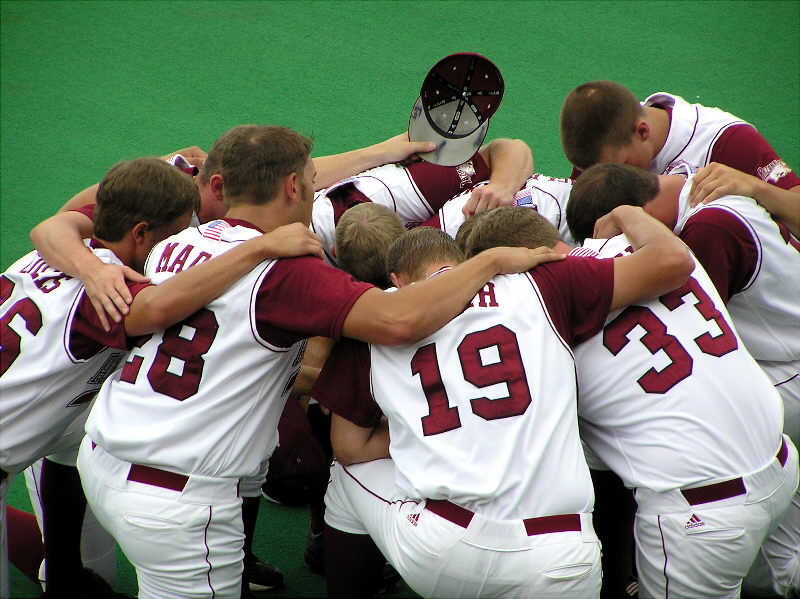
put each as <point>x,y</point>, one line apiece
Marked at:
<point>660,262</point>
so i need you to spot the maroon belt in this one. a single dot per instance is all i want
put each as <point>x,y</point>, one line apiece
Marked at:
<point>533,526</point>
<point>157,477</point>
<point>728,488</point>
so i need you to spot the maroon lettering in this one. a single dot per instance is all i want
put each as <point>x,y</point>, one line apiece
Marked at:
<point>486,297</point>
<point>718,345</point>
<point>180,262</point>
<point>163,261</point>
<point>48,284</point>
<point>202,257</point>
<point>10,340</point>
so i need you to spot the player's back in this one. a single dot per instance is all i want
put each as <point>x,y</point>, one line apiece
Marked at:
<point>668,394</point>
<point>50,371</point>
<point>483,412</point>
<point>205,395</point>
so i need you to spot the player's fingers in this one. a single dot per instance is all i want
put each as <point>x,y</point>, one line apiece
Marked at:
<point>421,147</point>
<point>97,304</point>
<point>469,207</point>
<point>134,276</point>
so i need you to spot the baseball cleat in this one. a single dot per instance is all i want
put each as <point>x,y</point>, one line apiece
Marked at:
<point>261,576</point>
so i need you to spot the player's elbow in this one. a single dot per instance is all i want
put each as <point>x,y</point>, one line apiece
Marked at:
<point>676,265</point>
<point>400,331</point>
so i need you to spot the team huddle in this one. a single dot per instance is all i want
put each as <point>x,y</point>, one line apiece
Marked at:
<point>533,386</point>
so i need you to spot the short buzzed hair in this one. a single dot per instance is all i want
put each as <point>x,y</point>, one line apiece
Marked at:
<point>142,190</point>
<point>595,115</point>
<point>254,159</point>
<point>602,188</point>
<point>363,235</point>
<point>420,247</point>
<point>513,226</point>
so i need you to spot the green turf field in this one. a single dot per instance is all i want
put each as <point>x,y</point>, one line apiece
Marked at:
<point>85,84</point>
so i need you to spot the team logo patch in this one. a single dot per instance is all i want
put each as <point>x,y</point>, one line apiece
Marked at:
<point>465,172</point>
<point>774,171</point>
<point>694,522</point>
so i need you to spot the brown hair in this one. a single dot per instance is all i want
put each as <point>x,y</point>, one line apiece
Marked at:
<point>363,234</point>
<point>602,188</point>
<point>254,159</point>
<point>595,115</point>
<point>420,247</point>
<point>513,226</point>
<point>144,189</point>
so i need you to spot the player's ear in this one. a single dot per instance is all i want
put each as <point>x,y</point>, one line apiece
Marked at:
<point>217,187</point>
<point>642,130</point>
<point>396,279</point>
<point>140,231</point>
<point>291,186</point>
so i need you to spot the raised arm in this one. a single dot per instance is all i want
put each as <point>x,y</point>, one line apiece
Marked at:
<point>415,311</point>
<point>717,180</point>
<point>660,262</point>
<point>336,167</point>
<point>193,155</point>
<point>511,161</point>
<point>59,240</point>
<point>160,306</point>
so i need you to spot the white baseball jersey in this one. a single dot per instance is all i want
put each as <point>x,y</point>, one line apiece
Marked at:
<point>547,195</point>
<point>54,357</point>
<point>668,394</point>
<point>204,397</point>
<point>701,134</point>
<point>483,412</point>
<point>414,192</point>
<point>693,130</point>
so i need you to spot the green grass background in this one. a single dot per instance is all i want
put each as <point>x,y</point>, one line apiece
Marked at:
<point>85,84</point>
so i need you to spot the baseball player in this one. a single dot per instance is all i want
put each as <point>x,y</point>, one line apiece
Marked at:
<point>754,263</point>
<point>698,468</point>
<point>473,503</point>
<point>45,314</point>
<point>602,121</point>
<point>194,409</point>
<point>547,195</point>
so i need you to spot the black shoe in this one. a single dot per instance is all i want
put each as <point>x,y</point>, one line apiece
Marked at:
<point>314,554</point>
<point>261,576</point>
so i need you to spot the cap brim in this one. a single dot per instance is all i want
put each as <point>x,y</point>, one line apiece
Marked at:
<point>449,151</point>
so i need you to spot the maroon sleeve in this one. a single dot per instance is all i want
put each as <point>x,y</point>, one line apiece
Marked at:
<point>433,221</point>
<point>87,210</point>
<point>724,246</point>
<point>745,149</point>
<point>304,297</point>
<point>440,183</point>
<point>87,336</point>
<point>577,293</point>
<point>343,384</point>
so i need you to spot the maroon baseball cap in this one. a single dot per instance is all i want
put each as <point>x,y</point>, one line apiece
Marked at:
<point>458,96</point>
